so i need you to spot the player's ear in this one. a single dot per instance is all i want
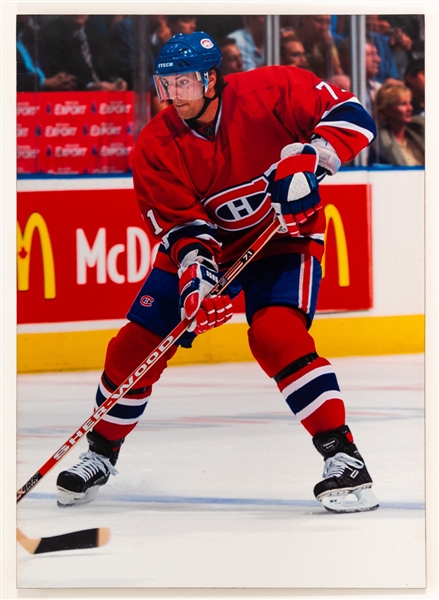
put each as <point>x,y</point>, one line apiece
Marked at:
<point>212,82</point>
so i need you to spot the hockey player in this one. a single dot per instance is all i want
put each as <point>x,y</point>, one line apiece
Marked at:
<point>210,172</point>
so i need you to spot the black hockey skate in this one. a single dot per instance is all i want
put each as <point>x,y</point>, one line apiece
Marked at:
<point>80,484</point>
<point>346,485</point>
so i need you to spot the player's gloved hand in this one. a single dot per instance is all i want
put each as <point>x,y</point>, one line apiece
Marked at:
<point>295,194</point>
<point>213,312</point>
<point>198,274</point>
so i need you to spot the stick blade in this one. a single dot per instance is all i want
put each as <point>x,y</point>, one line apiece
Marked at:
<point>76,540</point>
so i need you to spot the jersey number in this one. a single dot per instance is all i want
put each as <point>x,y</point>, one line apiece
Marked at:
<point>151,216</point>
<point>323,84</point>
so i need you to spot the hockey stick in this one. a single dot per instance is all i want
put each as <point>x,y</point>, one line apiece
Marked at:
<point>76,540</point>
<point>124,387</point>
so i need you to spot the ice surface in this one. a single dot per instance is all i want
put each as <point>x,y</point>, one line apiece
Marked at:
<point>215,484</point>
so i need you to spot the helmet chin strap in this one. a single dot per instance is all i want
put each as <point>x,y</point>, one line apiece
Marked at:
<point>192,121</point>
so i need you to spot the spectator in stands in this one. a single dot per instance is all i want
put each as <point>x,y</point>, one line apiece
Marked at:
<point>414,79</point>
<point>119,53</point>
<point>340,28</point>
<point>160,32</point>
<point>314,31</point>
<point>342,81</point>
<point>388,68</point>
<point>118,56</point>
<point>292,51</point>
<point>251,41</point>
<point>373,62</point>
<point>405,38</point>
<point>372,65</point>
<point>400,44</point>
<point>69,48</point>
<point>182,24</point>
<point>232,59</point>
<point>401,139</point>
<point>98,29</point>
<point>31,71</point>
<point>163,27</point>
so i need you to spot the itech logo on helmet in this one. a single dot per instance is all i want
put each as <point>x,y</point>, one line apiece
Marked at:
<point>167,64</point>
<point>206,43</point>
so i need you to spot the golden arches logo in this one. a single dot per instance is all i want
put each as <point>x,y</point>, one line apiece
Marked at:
<point>24,244</point>
<point>332,214</point>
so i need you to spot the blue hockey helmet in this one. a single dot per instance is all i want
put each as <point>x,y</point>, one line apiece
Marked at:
<point>185,54</point>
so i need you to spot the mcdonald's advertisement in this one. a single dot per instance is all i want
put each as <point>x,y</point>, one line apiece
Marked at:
<point>83,255</point>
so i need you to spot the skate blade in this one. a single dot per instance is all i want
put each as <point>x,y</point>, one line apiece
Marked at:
<point>360,500</point>
<point>67,498</point>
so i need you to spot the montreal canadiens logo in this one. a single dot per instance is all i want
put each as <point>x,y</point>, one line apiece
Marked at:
<point>206,43</point>
<point>146,301</point>
<point>240,207</point>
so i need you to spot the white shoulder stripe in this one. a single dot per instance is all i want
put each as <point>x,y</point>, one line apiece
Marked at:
<point>346,125</point>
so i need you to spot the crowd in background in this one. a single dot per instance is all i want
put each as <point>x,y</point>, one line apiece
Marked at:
<point>98,52</point>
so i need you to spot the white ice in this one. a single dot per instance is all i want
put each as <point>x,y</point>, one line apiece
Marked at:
<point>215,484</point>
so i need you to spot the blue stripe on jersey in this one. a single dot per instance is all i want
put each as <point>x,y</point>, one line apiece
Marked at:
<point>353,114</point>
<point>133,410</point>
<point>308,393</point>
<point>198,229</point>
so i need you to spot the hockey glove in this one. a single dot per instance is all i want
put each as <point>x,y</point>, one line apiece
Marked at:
<point>295,195</point>
<point>198,274</point>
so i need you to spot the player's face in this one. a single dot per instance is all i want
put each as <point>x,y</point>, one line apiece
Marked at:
<point>188,104</point>
<point>184,86</point>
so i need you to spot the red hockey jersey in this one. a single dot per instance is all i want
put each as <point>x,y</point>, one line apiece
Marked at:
<point>217,189</point>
